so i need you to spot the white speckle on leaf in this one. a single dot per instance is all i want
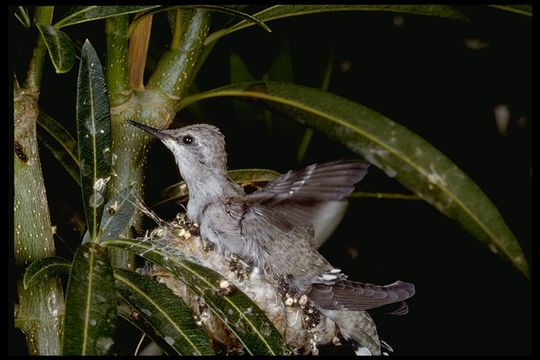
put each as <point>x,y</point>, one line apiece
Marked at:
<point>390,172</point>
<point>224,284</point>
<point>169,340</point>
<point>265,329</point>
<point>100,183</point>
<point>104,344</point>
<point>95,200</point>
<point>436,179</point>
<point>91,126</point>
<point>93,322</point>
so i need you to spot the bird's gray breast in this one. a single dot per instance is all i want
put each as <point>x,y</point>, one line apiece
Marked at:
<point>237,229</point>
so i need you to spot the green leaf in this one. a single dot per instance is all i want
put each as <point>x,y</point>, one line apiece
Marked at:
<point>130,314</point>
<point>167,313</point>
<point>242,176</point>
<point>238,69</point>
<point>59,46</point>
<point>284,11</point>
<point>61,144</point>
<point>391,147</point>
<point>45,267</point>
<point>518,9</point>
<point>22,15</point>
<point>118,212</point>
<point>90,320</point>
<point>282,67</point>
<point>80,14</point>
<point>243,317</point>
<point>216,8</point>
<point>93,135</point>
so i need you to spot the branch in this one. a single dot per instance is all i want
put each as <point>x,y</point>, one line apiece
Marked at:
<point>117,74</point>
<point>176,68</point>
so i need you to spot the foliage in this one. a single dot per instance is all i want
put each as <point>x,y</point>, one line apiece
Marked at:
<point>106,159</point>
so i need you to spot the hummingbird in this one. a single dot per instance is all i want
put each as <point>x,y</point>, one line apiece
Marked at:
<point>273,228</point>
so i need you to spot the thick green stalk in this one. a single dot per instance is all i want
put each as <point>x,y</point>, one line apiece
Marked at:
<point>120,97</point>
<point>155,105</point>
<point>116,29</point>
<point>41,307</point>
<point>177,67</point>
<point>129,150</point>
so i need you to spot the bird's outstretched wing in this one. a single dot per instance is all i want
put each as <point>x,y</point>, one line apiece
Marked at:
<point>317,182</point>
<point>299,196</point>
<point>350,295</point>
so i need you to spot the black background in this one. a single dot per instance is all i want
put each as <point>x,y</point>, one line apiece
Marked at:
<point>421,75</point>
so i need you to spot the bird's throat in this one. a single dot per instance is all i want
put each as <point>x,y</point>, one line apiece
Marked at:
<point>208,190</point>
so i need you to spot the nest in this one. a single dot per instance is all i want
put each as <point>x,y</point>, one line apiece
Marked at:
<point>303,327</point>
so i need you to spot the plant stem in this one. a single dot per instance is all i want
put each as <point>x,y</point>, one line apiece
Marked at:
<point>117,74</point>
<point>120,97</point>
<point>176,68</point>
<point>177,34</point>
<point>35,69</point>
<point>41,307</point>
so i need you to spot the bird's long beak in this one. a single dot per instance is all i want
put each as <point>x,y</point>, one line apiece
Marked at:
<point>157,133</point>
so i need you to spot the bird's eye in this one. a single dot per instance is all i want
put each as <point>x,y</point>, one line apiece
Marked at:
<point>187,139</point>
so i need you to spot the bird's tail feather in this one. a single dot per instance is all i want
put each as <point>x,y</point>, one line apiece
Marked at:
<point>351,295</point>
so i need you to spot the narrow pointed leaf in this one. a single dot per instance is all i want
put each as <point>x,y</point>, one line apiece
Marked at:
<point>518,9</point>
<point>61,144</point>
<point>282,67</point>
<point>22,15</point>
<point>241,176</point>
<point>167,313</point>
<point>243,317</point>
<point>216,8</point>
<point>93,136</point>
<point>80,14</point>
<point>59,46</point>
<point>131,315</point>
<point>284,11</point>
<point>393,148</point>
<point>116,214</point>
<point>45,267</point>
<point>90,320</point>
<point>253,20</point>
<point>238,69</point>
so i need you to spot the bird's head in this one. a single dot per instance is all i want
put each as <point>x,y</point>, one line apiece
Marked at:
<point>197,149</point>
